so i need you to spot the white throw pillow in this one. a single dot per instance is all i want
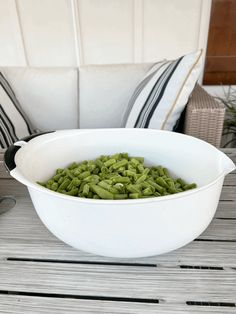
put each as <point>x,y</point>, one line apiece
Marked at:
<point>162,95</point>
<point>14,124</point>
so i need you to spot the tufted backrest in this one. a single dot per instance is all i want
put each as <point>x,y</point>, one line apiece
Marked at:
<point>104,93</point>
<point>47,95</point>
<point>93,96</point>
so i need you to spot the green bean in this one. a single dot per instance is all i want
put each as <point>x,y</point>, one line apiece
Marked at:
<point>102,193</point>
<point>108,187</point>
<point>64,184</point>
<point>160,171</point>
<point>140,168</point>
<point>120,187</point>
<point>56,177</point>
<point>148,191</point>
<point>130,173</point>
<point>96,197</point>
<point>73,184</point>
<point>120,196</point>
<point>115,177</point>
<point>181,181</point>
<point>133,188</point>
<point>99,163</point>
<point>119,164</point>
<point>119,179</point>
<point>54,186</point>
<point>116,156</point>
<point>140,159</point>
<point>85,191</point>
<point>190,186</point>
<point>159,188</point>
<point>61,180</point>
<point>59,171</point>
<point>73,165</point>
<point>162,182</point>
<point>134,162</point>
<point>84,175</point>
<point>166,172</point>
<point>134,195</point>
<point>142,178</point>
<point>73,192</point>
<point>109,162</point>
<point>69,174</point>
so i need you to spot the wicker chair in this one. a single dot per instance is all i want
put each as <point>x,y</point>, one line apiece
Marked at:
<point>204,117</point>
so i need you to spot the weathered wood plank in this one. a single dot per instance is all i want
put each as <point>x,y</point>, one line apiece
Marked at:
<point>13,304</point>
<point>230,180</point>
<point>228,193</point>
<point>169,283</point>
<point>220,229</point>
<point>226,210</point>
<point>12,187</point>
<point>197,253</point>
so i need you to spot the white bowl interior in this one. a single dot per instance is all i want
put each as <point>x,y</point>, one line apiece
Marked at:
<point>185,157</point>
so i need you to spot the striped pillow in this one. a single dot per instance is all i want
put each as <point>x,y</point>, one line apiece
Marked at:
<point>162,95</point>
<point>13,122</point>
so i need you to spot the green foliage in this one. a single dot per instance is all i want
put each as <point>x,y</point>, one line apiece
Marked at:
<point>229,101</point>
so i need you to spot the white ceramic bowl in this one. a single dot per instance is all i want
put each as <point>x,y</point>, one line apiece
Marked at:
<point>123,228</point>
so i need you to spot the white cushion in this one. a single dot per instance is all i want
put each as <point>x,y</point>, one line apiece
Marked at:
<point>104,91</point>
<point>47,95</point>
<point>163,93</point>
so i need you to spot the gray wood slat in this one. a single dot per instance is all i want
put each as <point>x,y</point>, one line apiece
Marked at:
<point>222,254</point>
<point>220,229</point>
<point>226,210</point>
<point>169,284</point>
<point>228,193</point>
<point>11,304</point>
<point>230,180</point>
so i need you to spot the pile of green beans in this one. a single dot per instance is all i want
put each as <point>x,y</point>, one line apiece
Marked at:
<point>115,177</point>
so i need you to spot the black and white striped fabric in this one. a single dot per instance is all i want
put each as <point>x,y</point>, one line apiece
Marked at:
<point>14,123</point>
<point>162,95</point>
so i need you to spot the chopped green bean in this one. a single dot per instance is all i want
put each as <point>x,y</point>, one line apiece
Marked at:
<point>102,193</point>
<point>134,195</point>
<point>115,177</point>
<point>120,163</point>
<point>64,184</point>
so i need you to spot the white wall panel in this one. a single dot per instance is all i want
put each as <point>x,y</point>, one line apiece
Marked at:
<point>75,32</point>
<point>11,48</point>
<point>171,28</point>
<point>48,32</point>
<point>107,31</point>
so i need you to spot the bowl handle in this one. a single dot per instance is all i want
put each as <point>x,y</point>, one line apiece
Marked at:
<point>9,156</point>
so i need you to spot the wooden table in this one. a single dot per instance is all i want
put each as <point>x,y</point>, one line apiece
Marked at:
<point>40,274</point>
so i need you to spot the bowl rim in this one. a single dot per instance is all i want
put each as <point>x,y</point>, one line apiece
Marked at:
<point>41,189</point>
